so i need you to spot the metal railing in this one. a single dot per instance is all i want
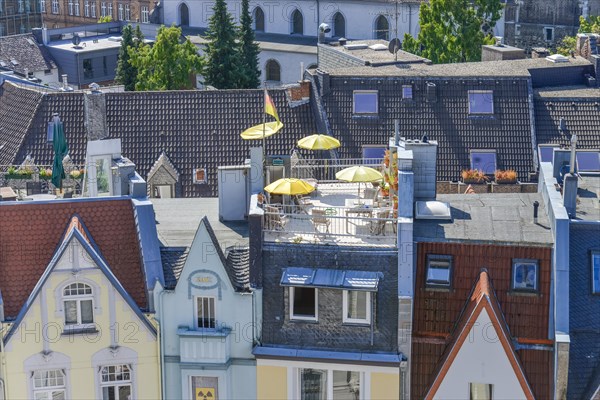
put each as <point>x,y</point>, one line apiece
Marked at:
<point>324,170</point>
<point>21,181</point>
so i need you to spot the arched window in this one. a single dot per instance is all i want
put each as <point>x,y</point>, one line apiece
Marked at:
<point>79,308</point>
<point>297,23</point>
<point>259,19</point>
<point>184,15</point>
<point>339,25</point>
<point>382,28</point>
<point>273,71</point>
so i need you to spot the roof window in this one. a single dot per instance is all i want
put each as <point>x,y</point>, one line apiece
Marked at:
<point>484,160</point>
<point>366,102</point>
<point>481,102</point>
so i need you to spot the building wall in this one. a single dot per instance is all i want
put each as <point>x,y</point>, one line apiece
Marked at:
<point>271,382</point>
<point>117,325</point>
<point>64,18</point>
<point>289,63</point>
<point>19,16</point>
<point>329,332</point>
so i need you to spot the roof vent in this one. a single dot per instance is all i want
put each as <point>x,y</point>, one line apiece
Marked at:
<point>14,62</point>
<point>356,46</point>
<point>557,58</point>
<point>378,47</point>
<point>3,64</point>
<point>342,41</point>
<point>432,210</point>
<point>115,38</point>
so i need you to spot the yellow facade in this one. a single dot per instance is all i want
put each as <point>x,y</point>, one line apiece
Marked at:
<point>385,386</point>
<point>121,335</point>
<point>271,382</point>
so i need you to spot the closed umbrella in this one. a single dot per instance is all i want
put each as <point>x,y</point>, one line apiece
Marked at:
<point>290,186</point>
<point>318,142</point>
<point>61,148</point>
<point>359,174</point>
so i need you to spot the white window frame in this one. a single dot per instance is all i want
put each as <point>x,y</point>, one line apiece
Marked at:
<point>411,92</point>
<point>70,7</point>
<point>48,391</point>
<point>86,8</point>
<point>546,30</point>
<point>109,9</point>
<point>55,8</point>
<point>349,320</point>
<point>196,310</point>
<point>483,151</point>
<point>438,260</point>
<point>145,12</point>
<point>116,383</point>
<point>121,12</point>
<point>127,12</point>
<point>93,9</point>
<point>479,92</point>
<point>200,181</point>
<point>513,272</point>
<point>43,6</point>
<point>297,384</point>
<point>303,317</point>
<point>594,254</point>
<point>77,8</point>
<point>103,9</point>
<point>78,298</point>
<point>355,92</point>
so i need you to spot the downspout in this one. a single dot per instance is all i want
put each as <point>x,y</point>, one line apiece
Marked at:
<point>372,318</point>
<point>161,345</point>
<point>3,363</point>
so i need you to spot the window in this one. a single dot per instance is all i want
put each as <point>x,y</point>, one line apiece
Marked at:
<point>546,153</point>
<point>297,23</point>
<point>259,19</point>
<point>204,387</point>
<point>86,8</point>
<point>103,9</point>
<point>339,25</point>
<point>49,385</point>
<point>116,382</point>
<point>303,303</point>
<point>43,6</point>
<point>481,102</point>
<point>480,391</point>
<point>79,309</point>
<point>596,272</point>
<point>365,102</point>
<point>54,6</point>
<point>588,161</point>
<point>484,160</point>
<point>549,34</point>
<point>315,384</point>
<point>373,154</point>
<point>357,306</point>
<point>273,71</point>
<point>407,92</point>
<point>382,28</point>
<point>200,175</point>
<point>70,7</point>
<point>145,14</point>
<point>439,271</point>
<point>121,15</point>
<point>525,275</point>
<point>77,8</point>
<point>93,9</point>
<point>127,13</point>
<point>205,312</point>
<point>109,9</point>
<point>88,70</point>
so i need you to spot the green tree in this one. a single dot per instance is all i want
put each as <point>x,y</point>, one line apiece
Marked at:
<point>454,30</point>
<point>106,18</point>
<point>589,25</point>
<point>567,45</point>
<point>222,69</point>
<point>126,73</point>
<point>249,50</point>
<point>170,64</point>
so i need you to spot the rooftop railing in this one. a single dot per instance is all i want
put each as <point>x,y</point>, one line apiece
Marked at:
<point>325,169</point>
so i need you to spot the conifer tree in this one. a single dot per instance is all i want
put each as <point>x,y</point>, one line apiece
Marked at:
<point>249,50</point>
<point>126,74</point>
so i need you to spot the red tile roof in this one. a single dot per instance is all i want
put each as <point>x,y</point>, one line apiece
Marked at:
<point>438,313</point>
<point>31,233</point>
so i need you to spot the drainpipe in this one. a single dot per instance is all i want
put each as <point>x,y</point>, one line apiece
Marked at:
<point>3,363</point>
<point>161,345</point>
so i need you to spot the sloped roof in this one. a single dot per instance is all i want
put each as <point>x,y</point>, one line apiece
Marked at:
<point>482,297</point>
<point>27,52</point>
<point>31,232</point>
<point>197,129</point>
<point>173,260</point>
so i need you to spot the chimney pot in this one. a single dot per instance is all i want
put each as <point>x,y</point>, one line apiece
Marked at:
<point>536,206</point>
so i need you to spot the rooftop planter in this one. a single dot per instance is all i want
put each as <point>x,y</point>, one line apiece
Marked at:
<point>473,176</point>
<point>14,173</point>
<point>45,174</point>
<point>508,176</point>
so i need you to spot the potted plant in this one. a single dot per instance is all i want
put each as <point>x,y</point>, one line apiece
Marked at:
<point>45,174</point>
<point>471,176</point>
<point>506,182</point>
<point>506,176</point>
<point>18,173</point>
<point>75,174</point>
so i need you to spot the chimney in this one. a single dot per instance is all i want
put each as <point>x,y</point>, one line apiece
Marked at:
<point>26,71</point>
<point>431,92</point>
<point>95,115</point>
<point>255,225</point>
<point>539,52</point>
<point>424,167</point>
<point>299,92</point>
<point>65,84</point>
<point>570,182</point>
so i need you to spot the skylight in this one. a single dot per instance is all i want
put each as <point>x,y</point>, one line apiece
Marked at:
<point>432,210</point>
<point>481,102</point>
<point>547,153</point>
<point>588,161</point>
<point>365,102</point>
<point>484,160</point>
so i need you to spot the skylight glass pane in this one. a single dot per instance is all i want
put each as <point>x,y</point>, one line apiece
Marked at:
<point>588,161</point>
<point>365,102</point>
<point>546,153</point>
<point>596,272</point>
<point>484,161</point>
<point>481,102</point>
<point>407,92</point>
<point>438,273</point>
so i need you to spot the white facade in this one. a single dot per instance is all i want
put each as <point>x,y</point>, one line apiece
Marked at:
<point>223,352</point>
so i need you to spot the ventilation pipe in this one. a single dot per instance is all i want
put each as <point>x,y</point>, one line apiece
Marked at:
<point>397,132</point>
<point>536,205</point>
<point>570,182</point>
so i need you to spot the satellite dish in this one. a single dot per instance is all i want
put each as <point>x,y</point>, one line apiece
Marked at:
<point>76,40</point>
<point>395,45</point>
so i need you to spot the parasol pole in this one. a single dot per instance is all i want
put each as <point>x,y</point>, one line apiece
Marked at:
<point>264,150</point>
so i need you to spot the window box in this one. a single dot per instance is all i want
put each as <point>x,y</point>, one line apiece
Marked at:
<point>438,274</point>
<point>304,303</point>
<point>525,275</point>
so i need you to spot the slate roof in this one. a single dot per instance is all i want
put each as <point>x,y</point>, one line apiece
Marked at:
<point>31,56</point>
<point>508,131</point>
<point>436,313</point>
<point>195,129</point>
<point>584,350</point>
<point>30,233</point>
<point>173,260</point>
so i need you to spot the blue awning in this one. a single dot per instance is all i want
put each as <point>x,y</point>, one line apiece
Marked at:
<point>331,278</point>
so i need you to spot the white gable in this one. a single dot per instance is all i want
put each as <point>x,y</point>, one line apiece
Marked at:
<point>75,257</point>
<point>481,359</point>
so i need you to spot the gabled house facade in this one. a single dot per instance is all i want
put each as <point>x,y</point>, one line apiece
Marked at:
<point>210,319</point>
<point>84,329</point>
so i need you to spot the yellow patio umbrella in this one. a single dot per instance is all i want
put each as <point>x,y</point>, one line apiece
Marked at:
<point>262,131</point>
<point>290,186</point>
<point>318,142</point>
<point>359,174</point>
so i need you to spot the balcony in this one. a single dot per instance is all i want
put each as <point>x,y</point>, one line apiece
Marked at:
<point>34,182</point>
<point>340,213</point>
<point>204,345</point>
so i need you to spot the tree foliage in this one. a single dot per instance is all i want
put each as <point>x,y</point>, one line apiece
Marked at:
<point>589,25</point>
<point>170,64</point>
<point>126,73</point>
<point>453,30</point>
<point>106,18</point>
<point>567,46</point>
<point>223,68</point>
<point>249,50</point>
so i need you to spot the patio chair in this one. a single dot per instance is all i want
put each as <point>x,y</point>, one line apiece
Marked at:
<point>378,225</point>
<point>302,204</point>
<point>33,188</point>
<point>319,218</point>
<point>274,220</point>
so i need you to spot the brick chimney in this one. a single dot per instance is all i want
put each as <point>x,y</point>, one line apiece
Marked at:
<point>95,115</point>
<point>540,52</point>
<point>300,92</point>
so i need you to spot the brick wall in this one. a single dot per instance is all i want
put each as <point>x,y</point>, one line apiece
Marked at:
<point>329,332</point>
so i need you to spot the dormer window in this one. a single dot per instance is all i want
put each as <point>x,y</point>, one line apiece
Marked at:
<point>200,176</point>
<point>481,102</point>
<point>365,102</point>
<point>79,305</point>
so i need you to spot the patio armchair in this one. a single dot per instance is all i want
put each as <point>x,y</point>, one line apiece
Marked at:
<point>319,218</point>
<point>378,225</point>
<point>302,204</point>
<point>273,219</point>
